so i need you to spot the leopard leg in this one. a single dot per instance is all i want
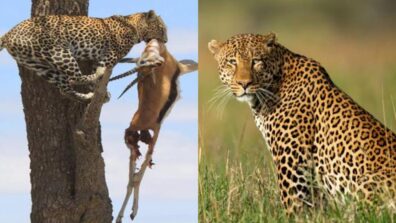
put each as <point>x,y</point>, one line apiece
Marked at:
<point>41,68</point>
<point>62,83</point>
<point>86,79</point>
<point>89,79</point>
<point>56,77</point>
<point>296,187</point>
<point>67,90</point>
<point>107,62</point>
<point>62,59</point>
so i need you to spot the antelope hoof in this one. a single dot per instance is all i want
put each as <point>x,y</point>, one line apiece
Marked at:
<point>119,220</point>
<point>133,215</point>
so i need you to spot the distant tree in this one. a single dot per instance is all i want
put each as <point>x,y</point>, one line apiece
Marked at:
<point>67,169</point>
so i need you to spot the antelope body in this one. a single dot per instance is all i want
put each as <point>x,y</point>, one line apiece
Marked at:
<point>157,91</point>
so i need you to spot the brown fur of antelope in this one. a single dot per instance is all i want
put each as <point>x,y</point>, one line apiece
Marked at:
<point>158,90</point>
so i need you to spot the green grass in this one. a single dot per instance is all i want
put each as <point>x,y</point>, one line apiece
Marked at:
<point>242,195</point>
<point>238,195</point>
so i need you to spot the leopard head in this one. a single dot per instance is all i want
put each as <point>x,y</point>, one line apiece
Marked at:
<point>149,26</point>
<point>248,65</point>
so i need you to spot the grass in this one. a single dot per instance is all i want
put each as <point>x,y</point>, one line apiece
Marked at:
<point>246,195</point>
<point>238,195</point>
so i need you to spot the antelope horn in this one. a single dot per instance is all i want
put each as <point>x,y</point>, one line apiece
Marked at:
<point>129,60</point>
<point>129,86</point>
<point>134,70</point>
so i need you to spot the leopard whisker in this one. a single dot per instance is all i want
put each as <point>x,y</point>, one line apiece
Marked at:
<point>259,97</point>
<point>268,84</point>
<point>269,94</point>
<point>222,105</point>
<point>219,93</point>
<point>264,102</point>
<point>220,98</point>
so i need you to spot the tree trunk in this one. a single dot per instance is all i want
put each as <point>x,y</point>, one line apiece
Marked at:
<point>67,169</point>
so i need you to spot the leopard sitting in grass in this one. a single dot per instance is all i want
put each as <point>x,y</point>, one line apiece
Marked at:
<point>322,142</point>
<point>51,45</point>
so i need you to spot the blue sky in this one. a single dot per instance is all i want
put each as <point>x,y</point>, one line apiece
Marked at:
<point>169,190</point>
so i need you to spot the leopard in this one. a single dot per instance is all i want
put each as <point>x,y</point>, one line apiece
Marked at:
<point>324,145</point>
<point>52,45</point>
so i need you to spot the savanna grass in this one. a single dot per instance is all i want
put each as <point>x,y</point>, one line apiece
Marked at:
<point>248,196</point>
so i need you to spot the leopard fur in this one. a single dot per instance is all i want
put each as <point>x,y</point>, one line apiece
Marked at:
<point>51,45</point>
<point>321,141</point>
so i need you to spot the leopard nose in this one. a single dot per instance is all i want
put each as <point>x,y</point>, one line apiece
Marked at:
<point>244,83</point>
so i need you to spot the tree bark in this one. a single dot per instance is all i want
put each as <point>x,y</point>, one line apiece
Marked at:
<point>67,169</point>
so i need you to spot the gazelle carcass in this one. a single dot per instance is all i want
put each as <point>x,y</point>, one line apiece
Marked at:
<point>158,73</point>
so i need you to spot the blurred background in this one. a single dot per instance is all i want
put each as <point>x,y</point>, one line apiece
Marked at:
<point>354,40</point>
<point>169,191</point>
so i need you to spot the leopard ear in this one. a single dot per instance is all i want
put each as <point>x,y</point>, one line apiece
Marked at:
<point>270,40</point>
<point>150,15</point>
<point>214,46</point>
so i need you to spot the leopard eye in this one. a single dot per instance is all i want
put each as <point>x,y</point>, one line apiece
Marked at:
<point>231,61</point>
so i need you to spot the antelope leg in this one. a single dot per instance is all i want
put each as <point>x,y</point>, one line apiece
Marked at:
<point>136,183</point>
<point>132,168</point>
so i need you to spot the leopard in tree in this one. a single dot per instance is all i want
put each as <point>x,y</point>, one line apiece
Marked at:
<point>51,45</point>
<point>322,142</point>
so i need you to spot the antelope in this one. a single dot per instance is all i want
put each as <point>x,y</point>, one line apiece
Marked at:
<point>158,73</point>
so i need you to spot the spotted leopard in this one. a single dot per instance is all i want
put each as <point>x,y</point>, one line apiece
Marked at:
<point>321,140</point>
<point>51,45</point>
